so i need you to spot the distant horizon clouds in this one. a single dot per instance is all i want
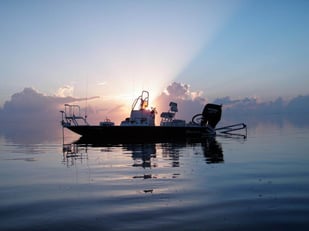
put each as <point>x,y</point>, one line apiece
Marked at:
<point>32,112</point>
<point>31,103</point>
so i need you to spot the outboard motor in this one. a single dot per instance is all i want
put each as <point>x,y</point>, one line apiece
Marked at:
<point>211,115</point>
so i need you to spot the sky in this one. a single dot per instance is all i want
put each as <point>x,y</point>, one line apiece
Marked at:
<point>112,50</point>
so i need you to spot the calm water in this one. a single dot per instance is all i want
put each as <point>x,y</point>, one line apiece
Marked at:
<point>227,183</point>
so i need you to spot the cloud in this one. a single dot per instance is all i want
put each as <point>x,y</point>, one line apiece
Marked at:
<point>32,102</point>
<point>189,102</point>
<point>182,91</point>
<point>65,91</point>
<point>234,110</point>
<point>225,100</point>
<point>102,83</point>
<point>294,111</point>
<point>298,104</point>
<point>31,113</point>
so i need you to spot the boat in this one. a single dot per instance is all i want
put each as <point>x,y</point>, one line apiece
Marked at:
<point>140,125</point>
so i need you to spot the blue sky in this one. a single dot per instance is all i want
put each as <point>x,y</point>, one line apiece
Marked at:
<point>115,49</point>
<point>262,51</point>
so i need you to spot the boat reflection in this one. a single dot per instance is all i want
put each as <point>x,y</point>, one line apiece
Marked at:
<point>155,164</point>
<point>73,153</point>
<point>213,152</point>
<point>144,154</point>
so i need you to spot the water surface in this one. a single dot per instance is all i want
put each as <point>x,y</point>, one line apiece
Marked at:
<point>226,183</point>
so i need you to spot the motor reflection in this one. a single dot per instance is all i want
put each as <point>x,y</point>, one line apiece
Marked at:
<point>213,152</point>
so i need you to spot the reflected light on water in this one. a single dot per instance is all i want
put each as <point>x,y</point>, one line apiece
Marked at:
<point>222,184</point>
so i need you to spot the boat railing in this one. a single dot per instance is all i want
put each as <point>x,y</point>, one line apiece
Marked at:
<point>230,129</point>
<point>71,116</point>
<point>168,117</point>
<point>143,98</point>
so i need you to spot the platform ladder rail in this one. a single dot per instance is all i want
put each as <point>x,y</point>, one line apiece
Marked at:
<point>230,129</point>
<point>143,99</point>
<point>71,116</point>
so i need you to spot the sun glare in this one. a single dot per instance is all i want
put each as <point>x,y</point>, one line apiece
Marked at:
<point>144,54</point>
<point>149,55</point>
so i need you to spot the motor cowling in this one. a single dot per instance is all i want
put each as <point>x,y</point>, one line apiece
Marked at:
<point>211,115</point>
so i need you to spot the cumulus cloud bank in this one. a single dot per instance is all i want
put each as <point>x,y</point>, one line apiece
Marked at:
<point>192,102</point>
<point>31,104</point>
<point>65,91</point>
<point>189,102</point>
<point>251,106</point>
<point>30,112</point>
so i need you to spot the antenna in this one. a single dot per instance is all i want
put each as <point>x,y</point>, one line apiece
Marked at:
<point>86,109</point>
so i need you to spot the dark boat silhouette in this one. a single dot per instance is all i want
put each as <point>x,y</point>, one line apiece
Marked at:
<point>140,126</point>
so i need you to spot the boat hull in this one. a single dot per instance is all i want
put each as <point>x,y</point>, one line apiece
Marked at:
<point>139,133</point>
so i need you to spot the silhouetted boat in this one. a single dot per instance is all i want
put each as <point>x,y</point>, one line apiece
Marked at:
<point>140,126</point>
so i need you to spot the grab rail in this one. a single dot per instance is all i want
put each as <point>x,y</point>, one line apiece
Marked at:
<point>231,128</point>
